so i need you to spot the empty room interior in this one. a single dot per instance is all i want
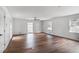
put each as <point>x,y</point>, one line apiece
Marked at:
<point>39,29</point>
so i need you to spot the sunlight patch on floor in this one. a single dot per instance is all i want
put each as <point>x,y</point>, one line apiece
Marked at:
<point>30,41</point>
<point>17,38</point>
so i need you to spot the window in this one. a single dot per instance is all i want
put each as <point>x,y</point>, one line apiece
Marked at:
<point>74,25</point>
<point>50,26</point>
<point>30,27</point>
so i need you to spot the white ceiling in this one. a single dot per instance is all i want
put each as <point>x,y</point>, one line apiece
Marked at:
<point>42,12</point>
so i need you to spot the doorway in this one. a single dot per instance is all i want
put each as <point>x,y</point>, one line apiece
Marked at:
<point>30,27</point>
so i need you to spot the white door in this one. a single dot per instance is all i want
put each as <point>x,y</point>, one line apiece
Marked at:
<point>1,30</point>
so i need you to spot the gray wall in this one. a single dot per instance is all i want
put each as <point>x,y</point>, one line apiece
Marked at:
<point>61,26</point>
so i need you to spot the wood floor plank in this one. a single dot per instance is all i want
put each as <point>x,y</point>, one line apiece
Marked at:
<point>41,43</point>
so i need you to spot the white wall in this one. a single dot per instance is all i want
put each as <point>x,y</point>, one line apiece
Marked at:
<point>20,26</point>
<point>37,26</point>
<point>61,26</point>
<point>7,24</point>
<point>46,24</point>
<point>2,37</point>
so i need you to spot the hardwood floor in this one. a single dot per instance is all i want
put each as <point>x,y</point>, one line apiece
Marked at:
<point>41,43</point>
